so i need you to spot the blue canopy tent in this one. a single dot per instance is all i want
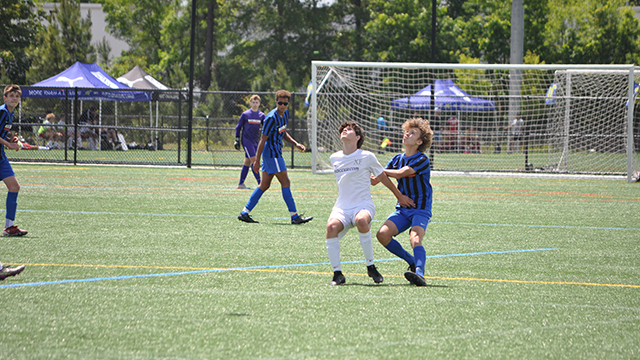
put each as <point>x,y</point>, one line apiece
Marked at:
<point>91,83</point>
<point>448,97</point>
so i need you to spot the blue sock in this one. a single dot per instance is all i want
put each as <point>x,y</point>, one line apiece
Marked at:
<point>257,176</point>
<point>395,248</point>
<point>420,257</point>
<point>243,174</point>
<point>288,198</point>
<point>12,205</point>
<point>253,199</point>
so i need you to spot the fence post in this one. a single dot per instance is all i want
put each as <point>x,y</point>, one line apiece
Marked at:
<point>293,128</point>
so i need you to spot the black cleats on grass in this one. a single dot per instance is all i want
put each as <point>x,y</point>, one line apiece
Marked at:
<point>374,274</point>
<point>7,271</point>
<point>338,278</point>
<point>246,218</point>
<point>301,220</point>
<point>412,268</point>
<point>415,279</point>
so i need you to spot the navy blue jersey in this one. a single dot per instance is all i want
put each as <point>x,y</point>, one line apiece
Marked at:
<point>417,186</point>
<point>6,120</point>
<point>274,127</point>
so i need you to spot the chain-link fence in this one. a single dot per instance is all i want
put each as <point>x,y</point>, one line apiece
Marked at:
<point>157,132</point>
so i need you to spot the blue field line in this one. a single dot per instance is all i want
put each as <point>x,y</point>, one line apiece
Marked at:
<point>124,277</point>
<point>283,218</point>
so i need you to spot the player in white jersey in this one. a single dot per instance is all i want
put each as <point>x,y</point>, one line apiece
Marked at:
<point>353,168</point>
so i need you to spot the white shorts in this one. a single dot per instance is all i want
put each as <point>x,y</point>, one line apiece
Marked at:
<point>348,216</point>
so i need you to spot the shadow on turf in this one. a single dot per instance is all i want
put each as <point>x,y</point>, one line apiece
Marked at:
<point>376,285</point>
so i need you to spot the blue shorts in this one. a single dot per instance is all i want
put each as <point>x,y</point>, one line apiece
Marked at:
<point>5,169</point>
<point>249,148</point>
<point>406,218</point>
<point>273,165</point>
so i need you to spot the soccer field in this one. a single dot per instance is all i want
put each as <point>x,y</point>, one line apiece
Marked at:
<point>151,263</point>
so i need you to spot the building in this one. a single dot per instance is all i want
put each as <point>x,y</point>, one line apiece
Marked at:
<point>98,27</point>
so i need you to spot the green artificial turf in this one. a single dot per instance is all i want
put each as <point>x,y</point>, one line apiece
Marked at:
<point>151,263</point>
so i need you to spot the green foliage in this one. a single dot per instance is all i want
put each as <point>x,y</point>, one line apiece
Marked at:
<point>65,41</point>
<point>591,32</point>
<point>19,26</point>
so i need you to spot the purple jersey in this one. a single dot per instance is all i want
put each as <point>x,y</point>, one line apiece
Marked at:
<point>249,124</point>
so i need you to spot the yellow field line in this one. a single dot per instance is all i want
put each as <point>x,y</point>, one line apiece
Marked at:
<point>331,273</point>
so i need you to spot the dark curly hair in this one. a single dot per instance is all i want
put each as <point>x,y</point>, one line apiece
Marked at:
<point>356,128</point>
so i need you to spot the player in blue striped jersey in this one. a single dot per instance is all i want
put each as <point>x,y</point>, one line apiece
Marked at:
<point>412,169</point>
<point>11,96</point>
<point>274,130</point>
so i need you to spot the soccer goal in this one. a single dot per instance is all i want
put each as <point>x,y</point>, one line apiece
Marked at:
<point>572,119</point>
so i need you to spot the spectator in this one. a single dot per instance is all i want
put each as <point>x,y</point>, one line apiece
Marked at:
<point>48,132</point>
<point>515,134</point>
<point>88,133</point>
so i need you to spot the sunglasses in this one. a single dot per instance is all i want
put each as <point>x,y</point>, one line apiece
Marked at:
<point>283,103</point>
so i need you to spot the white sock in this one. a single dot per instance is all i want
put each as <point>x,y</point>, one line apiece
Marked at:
<point>8,223</point>
<point>333,250</point>
<point>367,246</point>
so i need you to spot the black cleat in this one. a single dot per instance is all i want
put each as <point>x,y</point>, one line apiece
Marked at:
<point>338,278</point>
<point>7,271</point>
<point>246,218</point>
<point>415,279</point>
<point>301,220</point>
<point>374,274</point>
<point>412,268</point>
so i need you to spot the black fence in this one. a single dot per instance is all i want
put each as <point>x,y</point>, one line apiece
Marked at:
<point>155,132</point>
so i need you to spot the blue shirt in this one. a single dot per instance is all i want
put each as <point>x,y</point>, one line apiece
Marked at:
<point>274,127</point>
<point>417,186</point>
<point>382,124</point>
<point>6,120</point>
<point>249,124</point>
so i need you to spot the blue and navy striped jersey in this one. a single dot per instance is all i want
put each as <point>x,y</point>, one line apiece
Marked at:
<point>418,185</point>
<point>274,127</point>
<point>6,119</point>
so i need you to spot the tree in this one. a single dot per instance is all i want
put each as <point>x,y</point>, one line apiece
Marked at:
<point>487,33</point>
<point>266,32</point>
<point>401,31</point>
<point>591,32</point>
<point>65,41</point>
<point>19,25</point>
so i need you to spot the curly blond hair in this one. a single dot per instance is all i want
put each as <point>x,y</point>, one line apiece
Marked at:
<point>426,134</point>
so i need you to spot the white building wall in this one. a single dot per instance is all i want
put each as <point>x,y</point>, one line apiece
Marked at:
<point>98,27</point>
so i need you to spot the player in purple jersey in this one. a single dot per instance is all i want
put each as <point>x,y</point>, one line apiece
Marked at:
<point>274,131</point>
<point>11,96</point>
<point>249,124</point>
<point>413,172</point>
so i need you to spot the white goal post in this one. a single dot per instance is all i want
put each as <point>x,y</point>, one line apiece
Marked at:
<point>575,119</point>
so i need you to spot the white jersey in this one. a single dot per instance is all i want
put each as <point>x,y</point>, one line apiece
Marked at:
<point>353,173</point>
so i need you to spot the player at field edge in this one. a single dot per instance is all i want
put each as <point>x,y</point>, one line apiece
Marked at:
<point>11,96</point>
<point>274,130</point>
<point>249,125</point>
<point>412,169</point>
<point>354,169</point>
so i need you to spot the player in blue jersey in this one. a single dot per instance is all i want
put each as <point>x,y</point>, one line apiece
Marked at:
<point>412,169</point>
<point>249,125</point>
<point>274,130</point>
<point>11,96</point>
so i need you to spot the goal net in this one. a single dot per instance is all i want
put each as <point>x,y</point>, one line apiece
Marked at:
<point>574,119</point>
